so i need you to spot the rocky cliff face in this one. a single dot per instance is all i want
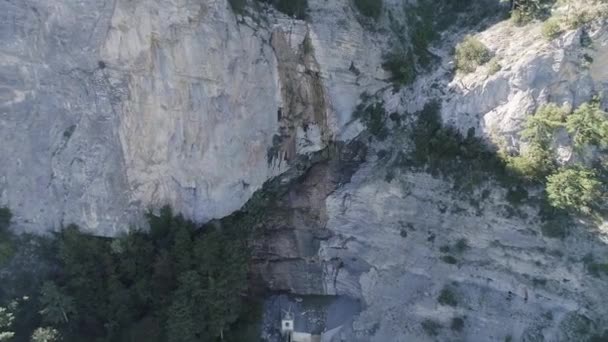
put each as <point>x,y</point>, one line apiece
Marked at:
<point>108,108</point>
<point>112,107</point>
<point>431,263</point>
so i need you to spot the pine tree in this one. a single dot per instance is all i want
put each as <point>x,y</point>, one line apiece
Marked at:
<point>574,189</point>
<point>186,319</point>
<point>57,306</point>
<point>6,322</point>
<point>588,125</point>
<point>45,334</point>
<point>182,248</point>
<point>5,218</point>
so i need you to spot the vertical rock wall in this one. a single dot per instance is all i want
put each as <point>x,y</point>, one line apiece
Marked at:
<point>112,107</point>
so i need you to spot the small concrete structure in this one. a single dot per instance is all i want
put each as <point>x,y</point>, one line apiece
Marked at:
<point>290,335</point>
<point>287,324</point>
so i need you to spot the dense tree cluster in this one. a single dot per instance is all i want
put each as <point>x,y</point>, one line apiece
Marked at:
<point>443,150</point>
<point>536,161</point>
<point>574,187</point>
<point>6,324</point>
<point>588,125</point>
<point>6,241</point>
<point>177,282</point>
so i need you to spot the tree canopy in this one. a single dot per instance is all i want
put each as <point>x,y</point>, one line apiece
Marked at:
<point>574,189</point>
<point>175,282</point>
<point>588,125</point>
<point>540,127</point>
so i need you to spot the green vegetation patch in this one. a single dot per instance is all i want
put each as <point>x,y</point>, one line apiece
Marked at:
<point>5,218</point>
<point>534,163</point>
<point>238,6</point>
<point>594,268</point>
<point>468,162</point>
<point>551,29</point>
<point>575,189</point>
<point>45,334</point>
<point>525,11</point>
<point>554,229</point>
<point>431,327</point>
<point>426,20</point>
<point>443,150</point>
<point>588,125</point>
<point>493,66</point>
<point>579,18</point>
<point>577,327</point>
<point>448,259</point>
<point>401,65</point>
<point>177,282</point>
<point>369,8</point>
<point>457,324</point>
<point>598,269</point>
<point>459,247</point>
<point>372,114</point>
<point>7,244</point>
<point>293,8</point>
<point>447,296</point>
<point>471,53</point>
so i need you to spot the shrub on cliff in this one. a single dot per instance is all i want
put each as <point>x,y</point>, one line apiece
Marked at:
<point>447,297</point>
<point>471,53</point>
<point>588,125</point>
<point>369,8</point>
<point>5,218</point>
<point>524,11</point>
<point>401,65</point>
<point>534,163</point>
<point>540,127</point>
<point>238,6</point>
<point>373,116</point>
<point>551,29</point>
<point>293,8</point>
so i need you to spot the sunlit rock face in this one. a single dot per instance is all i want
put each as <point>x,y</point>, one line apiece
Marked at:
<point>568,70</point>
<point>110,108</point>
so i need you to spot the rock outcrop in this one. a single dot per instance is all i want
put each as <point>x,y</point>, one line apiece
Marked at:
<point>110,108</point>
<point>430,263</point>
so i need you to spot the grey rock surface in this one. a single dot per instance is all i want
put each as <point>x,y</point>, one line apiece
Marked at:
<point>109,108</point>
<point>393,242</point>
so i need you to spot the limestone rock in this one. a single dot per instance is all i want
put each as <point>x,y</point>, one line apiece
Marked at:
<point>109,108</point>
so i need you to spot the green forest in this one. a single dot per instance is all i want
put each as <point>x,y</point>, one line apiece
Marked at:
<point>175,282</point>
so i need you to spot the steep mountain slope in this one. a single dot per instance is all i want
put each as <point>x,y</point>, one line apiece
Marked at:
<point>112,107</point>
<point>109,108</point>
